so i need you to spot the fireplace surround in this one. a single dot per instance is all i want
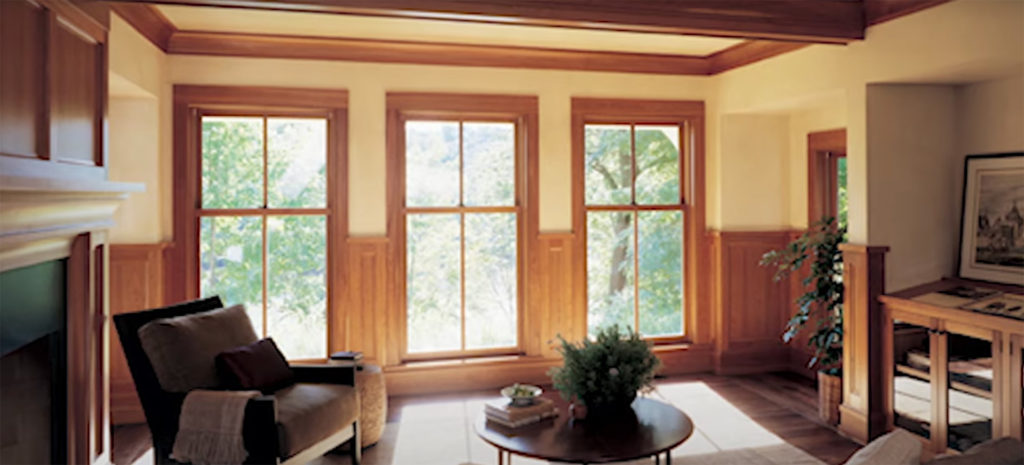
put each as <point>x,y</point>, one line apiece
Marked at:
<point>54,318</point>
<point>33,364</point>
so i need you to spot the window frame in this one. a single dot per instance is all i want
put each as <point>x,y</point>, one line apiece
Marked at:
<point>824,149</point>
<point>191,103</point>
<point>689,117</point>
<point>520,110</point>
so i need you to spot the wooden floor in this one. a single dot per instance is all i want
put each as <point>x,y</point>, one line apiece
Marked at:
<point>767,418</point>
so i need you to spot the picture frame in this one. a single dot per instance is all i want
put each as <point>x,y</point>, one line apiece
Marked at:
<point>992,219</point>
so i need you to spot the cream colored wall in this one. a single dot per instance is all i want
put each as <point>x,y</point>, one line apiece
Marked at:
<point>911,136</point>
<point>139,135</point>
<point>819,87</point>
<point>991,116</point>
<point>956,42</point>
<point>134,155</point>
<point>754,154</point>
<point>830,114</point>
<point>368,83</point>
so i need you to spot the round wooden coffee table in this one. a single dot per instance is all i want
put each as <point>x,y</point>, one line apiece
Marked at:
<point>650,429</point>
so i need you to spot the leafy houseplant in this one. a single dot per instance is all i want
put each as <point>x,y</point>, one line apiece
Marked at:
<point>606,373</point>
<point>820,308</point>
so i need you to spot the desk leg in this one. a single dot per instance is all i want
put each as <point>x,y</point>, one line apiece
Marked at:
<point>657,459</point>
<point>501,457</point>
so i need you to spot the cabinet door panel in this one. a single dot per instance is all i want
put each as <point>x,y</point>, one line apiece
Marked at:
<point>971,389</point>
<point>912,374</point>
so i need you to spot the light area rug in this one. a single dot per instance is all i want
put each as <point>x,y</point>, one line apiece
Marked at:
<point>442,433</point>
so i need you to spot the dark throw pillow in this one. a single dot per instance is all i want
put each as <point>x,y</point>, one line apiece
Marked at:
<point>259,366</point>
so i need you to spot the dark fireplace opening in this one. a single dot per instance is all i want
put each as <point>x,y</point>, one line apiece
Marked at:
<point>33,364</point>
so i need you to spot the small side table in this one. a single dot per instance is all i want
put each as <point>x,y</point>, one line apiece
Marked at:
<point>373,400</point>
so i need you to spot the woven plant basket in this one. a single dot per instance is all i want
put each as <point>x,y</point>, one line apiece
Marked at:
<point>830,395</point>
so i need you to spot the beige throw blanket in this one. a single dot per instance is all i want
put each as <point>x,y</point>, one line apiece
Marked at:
<point>210,428</point>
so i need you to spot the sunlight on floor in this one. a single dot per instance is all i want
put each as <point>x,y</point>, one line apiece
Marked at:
<point>441,432</point>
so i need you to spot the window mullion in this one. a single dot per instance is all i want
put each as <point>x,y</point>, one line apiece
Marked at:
<point>632,161</point>
<point>462,279</point>
<point>263,217</point>
<point>462,245</point>
<point>636,230</point>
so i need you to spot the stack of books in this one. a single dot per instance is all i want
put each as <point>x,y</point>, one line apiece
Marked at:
<point>514,416</point>
<point>347,356</point>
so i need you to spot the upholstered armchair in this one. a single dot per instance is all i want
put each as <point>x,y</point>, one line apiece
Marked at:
<point>292,425</point>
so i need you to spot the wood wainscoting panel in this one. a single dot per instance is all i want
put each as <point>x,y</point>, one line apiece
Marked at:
<point>800,354</point>
<point>862,413</point>
<point>751,308</point>
<point>553,307</point>
<point>366,302</point>
<point>136,283</point>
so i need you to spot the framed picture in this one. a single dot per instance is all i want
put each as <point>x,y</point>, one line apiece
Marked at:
<point>992,219</point>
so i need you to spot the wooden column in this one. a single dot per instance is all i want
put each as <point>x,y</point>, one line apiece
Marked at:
<point>862,414</point>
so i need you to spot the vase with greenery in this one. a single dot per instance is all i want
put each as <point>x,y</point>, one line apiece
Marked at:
<point>606,373</point>
<point>820,307</point>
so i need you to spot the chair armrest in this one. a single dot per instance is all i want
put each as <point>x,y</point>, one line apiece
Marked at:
<point>327,374</point>
<point>259,430</point>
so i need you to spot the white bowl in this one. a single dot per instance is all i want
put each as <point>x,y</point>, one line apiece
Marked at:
<point>526,397</point>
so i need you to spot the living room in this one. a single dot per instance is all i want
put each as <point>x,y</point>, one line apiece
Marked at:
<point>438,191</point>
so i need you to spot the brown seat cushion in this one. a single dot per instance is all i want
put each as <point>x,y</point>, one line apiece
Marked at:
<point>183,349</point>
<point>259,365</point>
<point>308,413</point>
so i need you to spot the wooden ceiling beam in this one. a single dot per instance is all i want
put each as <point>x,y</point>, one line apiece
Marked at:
<point>148,20</point>
<point>429,53</point>
<point>821,21</point>
<point>747,52</point>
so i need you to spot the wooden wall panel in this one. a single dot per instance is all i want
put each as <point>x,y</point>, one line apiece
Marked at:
<point>553,308</point>
<point>751,308</point>
<point>53,85</point>
<point>22,54</point>
<point>136,283</point>
<point>366,301</point>
<point>862,413</point>
<point>799,353</point>
<point>76,108</point>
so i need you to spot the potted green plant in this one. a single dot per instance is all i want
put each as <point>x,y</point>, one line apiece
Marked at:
<point>605,374</point>
<point>820,308</point>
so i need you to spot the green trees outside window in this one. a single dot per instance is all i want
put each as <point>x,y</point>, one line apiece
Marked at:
<point>461,230</point>
<point>263,225</point>
<point>634,228</point>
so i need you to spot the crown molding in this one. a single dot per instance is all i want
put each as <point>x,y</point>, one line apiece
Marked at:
<point>822,21</point>
<point>430,53</point>
<point>155,27</point>
<point>148,20</point>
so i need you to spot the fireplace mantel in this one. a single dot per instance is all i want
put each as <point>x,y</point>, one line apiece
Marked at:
<point>40,217</point>
<point>46,219</point>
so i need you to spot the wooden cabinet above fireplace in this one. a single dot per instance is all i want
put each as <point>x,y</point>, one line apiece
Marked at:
<point>953,375</point>
<point>53,88</point>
